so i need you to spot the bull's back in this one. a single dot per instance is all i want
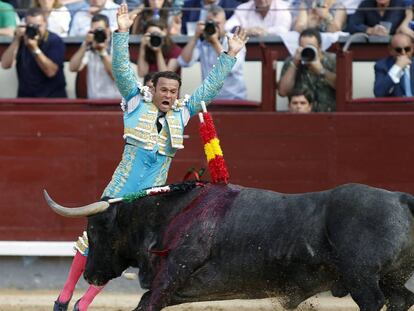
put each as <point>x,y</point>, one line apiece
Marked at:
<point>264,228</point>
<point>262,239</point>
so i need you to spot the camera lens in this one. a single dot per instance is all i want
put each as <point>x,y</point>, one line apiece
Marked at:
<point>308,54</point>
<point>32,30</point>
<point>99,35</point>
<point>210,28</point>
<point>155,40</point>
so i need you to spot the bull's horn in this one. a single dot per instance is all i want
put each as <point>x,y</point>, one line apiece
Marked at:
<point>82,211</point>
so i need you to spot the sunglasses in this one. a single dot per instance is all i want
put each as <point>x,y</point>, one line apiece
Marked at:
<point>406,49</point>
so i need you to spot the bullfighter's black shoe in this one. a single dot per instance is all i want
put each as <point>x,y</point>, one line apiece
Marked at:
<point>60,306</point>
<point>75,307</point>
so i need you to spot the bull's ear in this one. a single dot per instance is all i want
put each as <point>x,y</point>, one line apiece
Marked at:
<point>82,211</point>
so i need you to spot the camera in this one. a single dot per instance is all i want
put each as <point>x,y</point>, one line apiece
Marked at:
<point>308,54</point>
<point>209,28</point>
<point>32,30</point>
<point>155,39</point>
<point>99,35</point>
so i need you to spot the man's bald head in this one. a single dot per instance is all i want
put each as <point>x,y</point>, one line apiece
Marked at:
<point>401,44</point>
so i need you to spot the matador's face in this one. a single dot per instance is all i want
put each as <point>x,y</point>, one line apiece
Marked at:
<point>165,93</point>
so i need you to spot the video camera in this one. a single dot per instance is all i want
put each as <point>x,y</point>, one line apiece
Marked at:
<point>99,35</point>
<point>32,30</point>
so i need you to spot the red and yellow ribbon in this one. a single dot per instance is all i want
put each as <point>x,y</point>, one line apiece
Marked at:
<point>216,164</point>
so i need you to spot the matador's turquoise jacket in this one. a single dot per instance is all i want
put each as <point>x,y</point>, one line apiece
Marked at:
<point>147,155</point>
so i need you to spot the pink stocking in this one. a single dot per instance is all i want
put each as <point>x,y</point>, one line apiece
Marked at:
<point>87,299</point>
<point>76,270</point>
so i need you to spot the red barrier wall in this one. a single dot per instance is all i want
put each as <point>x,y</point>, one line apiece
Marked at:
<point>73,154</point>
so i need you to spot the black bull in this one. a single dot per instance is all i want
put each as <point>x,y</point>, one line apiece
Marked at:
<point>226,242</point>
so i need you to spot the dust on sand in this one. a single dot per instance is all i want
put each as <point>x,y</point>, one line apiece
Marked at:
<point>19,300</point>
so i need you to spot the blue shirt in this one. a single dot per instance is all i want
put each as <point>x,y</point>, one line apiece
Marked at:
<point>234,86</point>
<point>32,80</point>
<point>363,18</point>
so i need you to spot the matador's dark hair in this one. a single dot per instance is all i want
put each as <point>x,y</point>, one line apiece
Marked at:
<point>168,75</point>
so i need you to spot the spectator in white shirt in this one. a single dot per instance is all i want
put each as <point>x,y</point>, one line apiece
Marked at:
<point>82,19</point>
<point>95,53</point>
<point>261,17</point>
<point>57,16</point>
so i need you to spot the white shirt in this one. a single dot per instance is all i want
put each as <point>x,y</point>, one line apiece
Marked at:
<point>81,23</point>
<point>59,21</point>
<point>350,5</point>
<point>100,84</point>
<point>396,73</point>
<point>277,20</point>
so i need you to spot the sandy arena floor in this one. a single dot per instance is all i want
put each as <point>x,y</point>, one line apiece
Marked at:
<point>18,300</point>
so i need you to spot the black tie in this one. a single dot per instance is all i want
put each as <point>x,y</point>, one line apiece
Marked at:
<point>159,125</point>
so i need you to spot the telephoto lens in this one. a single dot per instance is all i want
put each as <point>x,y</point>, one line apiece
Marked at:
<point>155,40</point>
<point>308,54</point>
<point>99,35</point>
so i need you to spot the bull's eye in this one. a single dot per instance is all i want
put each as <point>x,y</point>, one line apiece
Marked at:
<point>91,234</point>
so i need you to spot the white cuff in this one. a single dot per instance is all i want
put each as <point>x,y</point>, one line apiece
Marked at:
<point>395,73</point>
<point>132,104</point>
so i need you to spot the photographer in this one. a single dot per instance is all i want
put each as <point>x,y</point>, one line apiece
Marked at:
<point>95,53</point>
<point>207,43</point>
<point>39,56</point>
<point>157,52</point>
<point>313,69</point>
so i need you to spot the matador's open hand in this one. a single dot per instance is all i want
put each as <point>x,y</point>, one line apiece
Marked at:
<point>124,20</point>
<point>237,41</point>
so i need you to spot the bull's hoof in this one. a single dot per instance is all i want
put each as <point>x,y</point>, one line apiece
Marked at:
<point>61,306</point>
<point>75,307</point>
<point>338,290</point>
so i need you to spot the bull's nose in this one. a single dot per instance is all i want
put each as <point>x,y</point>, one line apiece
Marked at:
<point>95,281</point>
<point>91,279</point>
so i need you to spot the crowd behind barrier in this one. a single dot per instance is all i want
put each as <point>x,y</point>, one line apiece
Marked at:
<point>187,22</point>
<point>265,50</point>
